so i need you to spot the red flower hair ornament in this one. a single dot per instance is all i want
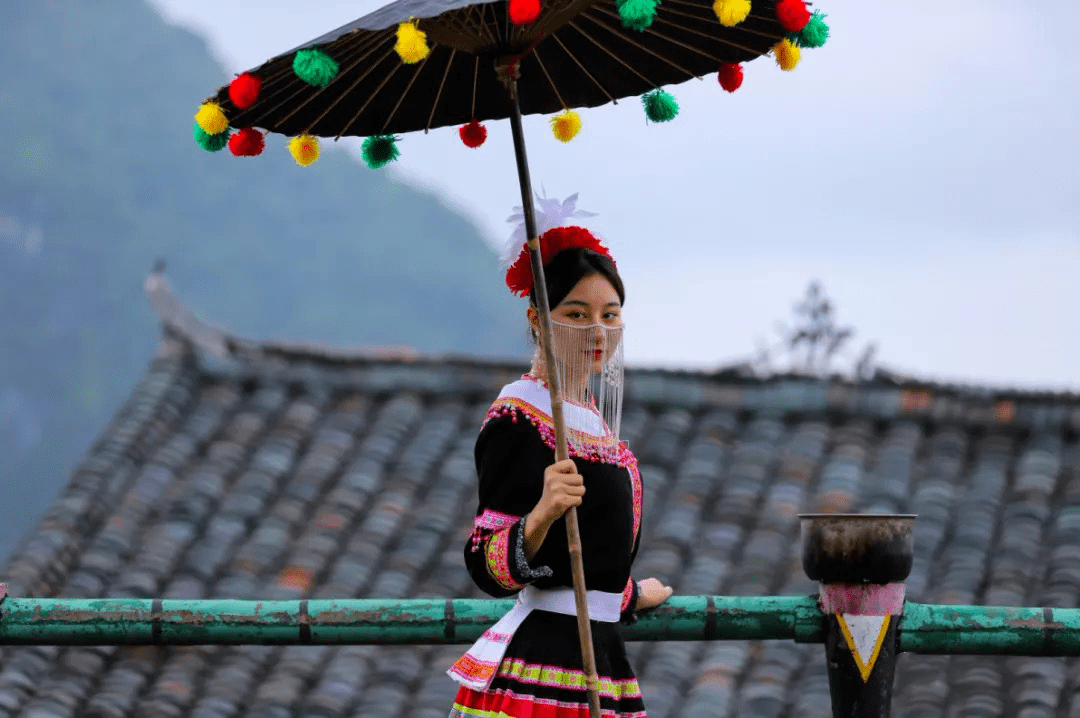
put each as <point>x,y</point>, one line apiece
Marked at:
<point>519,277</point>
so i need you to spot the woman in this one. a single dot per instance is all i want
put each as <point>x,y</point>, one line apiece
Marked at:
<point>529,663</point>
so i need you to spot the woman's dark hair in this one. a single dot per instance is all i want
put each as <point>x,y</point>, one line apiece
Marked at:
<point>569,267</point>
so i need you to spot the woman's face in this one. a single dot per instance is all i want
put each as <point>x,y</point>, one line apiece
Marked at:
<point>593,301</point>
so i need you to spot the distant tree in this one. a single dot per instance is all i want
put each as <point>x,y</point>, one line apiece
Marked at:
<point>814,341</point>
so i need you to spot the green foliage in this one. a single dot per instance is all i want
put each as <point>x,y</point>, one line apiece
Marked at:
<point>101,178</point>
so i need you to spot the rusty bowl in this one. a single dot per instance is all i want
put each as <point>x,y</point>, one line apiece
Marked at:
<point>857,548</point>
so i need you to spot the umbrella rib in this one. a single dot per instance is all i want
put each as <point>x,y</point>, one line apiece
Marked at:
<point>704,8</point>
<point>673,40</point>
<point>494,26</point>
<point>374,94</point>
<point>513,32</point>
<point>438,94</point>
<point>641,47</point>
<point>476,75</point>
<point>590,38</point>
<point>550,81</point>
<point>681,44</point>
<point>364,41</point>
<point>582,68</point>
<point>302,86</point>
<point>508,27</point>
<point>285,68</point>
<point>740,27</point>
<point>463,21</point>
<point>462,24</point>
<point>476,24</point>
<point>492,35</point>
<point>342,95</point>
<point>406,91</point>
<point>713,38</point>
<point>280,70</point>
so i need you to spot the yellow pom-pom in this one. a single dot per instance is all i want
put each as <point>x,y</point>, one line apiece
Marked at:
<point>787,54</point>
<point>211,119</point>
<point>566,126</point>
<point>304,149</point>
<point>731,12</point>
<point>411,43</point>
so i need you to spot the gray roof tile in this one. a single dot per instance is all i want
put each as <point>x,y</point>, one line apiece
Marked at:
<point>287,480</point>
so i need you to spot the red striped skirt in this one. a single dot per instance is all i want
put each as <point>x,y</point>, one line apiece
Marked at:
<point>541,677</point>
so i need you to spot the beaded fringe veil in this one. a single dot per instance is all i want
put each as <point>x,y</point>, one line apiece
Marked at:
<point>589,363</point>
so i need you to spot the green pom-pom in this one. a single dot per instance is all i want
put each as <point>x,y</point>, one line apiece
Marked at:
<point>211,143</point>
<point>660,106</point>
<point>815,34</point>
<point>637,14</point>
<point>379,151</point>
<point>314,67</point>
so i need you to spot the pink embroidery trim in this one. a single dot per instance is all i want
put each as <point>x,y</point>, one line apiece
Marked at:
<point>579,444</point>
<point>465,710</point>
<point>497,554</point>
<point>498,637</point>
<point>473,669</point>
<point>493,520</point>
<point>635,485</point>
<point>627,595</point>
<point>489,522</point>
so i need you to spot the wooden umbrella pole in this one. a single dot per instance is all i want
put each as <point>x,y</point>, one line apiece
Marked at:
<point>573,535</point>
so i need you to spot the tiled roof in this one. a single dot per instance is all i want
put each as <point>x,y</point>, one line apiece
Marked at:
<point>285,474</point>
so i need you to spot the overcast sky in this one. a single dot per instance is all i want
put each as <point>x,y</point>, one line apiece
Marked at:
<point>924,165</point>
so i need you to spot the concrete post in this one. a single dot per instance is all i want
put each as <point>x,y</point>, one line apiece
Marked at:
<point>860,562</point>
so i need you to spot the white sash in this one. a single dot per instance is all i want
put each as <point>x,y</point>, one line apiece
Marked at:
<point>479,664</point>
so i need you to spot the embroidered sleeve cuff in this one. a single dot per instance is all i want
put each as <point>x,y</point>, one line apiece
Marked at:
<point>506,562</point>
<point>629,602</point>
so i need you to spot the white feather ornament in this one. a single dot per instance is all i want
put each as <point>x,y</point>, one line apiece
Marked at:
<point>550,213</point>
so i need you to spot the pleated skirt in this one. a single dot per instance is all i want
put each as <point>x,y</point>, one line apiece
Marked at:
<point>541,676</point>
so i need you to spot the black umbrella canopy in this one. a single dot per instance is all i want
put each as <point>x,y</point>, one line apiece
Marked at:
<point>474,63</point>
<point>577,54</point>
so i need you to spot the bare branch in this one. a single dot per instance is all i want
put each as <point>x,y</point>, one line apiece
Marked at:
<point>815,339</point>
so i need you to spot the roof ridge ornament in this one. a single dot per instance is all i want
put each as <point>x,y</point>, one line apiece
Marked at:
<point>179,322</point>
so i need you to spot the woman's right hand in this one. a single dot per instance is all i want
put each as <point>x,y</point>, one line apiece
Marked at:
<point>563,489</point>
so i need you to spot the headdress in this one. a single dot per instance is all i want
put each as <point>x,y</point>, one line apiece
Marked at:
<point>595,389</point>
<point>551,215</point>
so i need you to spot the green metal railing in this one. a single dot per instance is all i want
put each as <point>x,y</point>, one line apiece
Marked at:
<point>860,562</point>
<point>923,628</point>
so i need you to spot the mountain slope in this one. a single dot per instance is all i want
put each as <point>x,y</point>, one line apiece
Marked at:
<point>101,177</point>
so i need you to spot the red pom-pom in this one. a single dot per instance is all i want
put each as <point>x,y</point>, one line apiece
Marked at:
<point>244,90</point>
<point>792,14</point>
<point>524,12</point>
<point>473,134</point>
<point>730,76</point>
<point>519,277</point>
<point>248,142</point>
